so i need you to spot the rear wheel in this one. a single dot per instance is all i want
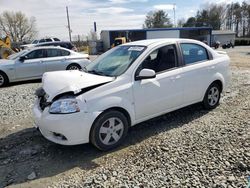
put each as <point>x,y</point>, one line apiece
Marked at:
<point>73,67</point>
<point>3,79</point>
<point>212,96</point>
<point>109,130</point>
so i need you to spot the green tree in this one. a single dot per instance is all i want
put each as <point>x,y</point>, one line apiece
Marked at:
<point>157,19</point>
<point>212,15</point>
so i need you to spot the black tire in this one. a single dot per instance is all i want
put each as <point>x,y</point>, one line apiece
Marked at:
<point>73,66</point>
<point>212,97</point>
<point>109,130</point>
<point>4,80</point>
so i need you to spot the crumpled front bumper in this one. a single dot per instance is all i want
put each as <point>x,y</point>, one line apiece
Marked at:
<point>64,129</point>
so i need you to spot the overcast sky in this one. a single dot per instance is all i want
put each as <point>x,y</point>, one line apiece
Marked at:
<point>109,14</point>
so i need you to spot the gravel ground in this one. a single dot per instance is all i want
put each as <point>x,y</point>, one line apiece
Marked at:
<point>190,147</point>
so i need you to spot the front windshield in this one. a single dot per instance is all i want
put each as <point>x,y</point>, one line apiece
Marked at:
<point>17,55</point>
<point>116,61</point>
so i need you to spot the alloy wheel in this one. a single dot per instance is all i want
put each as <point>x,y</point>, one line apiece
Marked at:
<point>73,67</point>
<point>213,96</point>
<point>111,131</point>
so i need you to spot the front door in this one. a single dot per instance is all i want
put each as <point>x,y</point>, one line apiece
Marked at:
<point>197,71</point>
<point>32,66</point>
<point>155,96</point>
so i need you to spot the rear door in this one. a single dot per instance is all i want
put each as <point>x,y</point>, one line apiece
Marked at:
<point>197,71</point>
<point>32,67</point>
<point>57,59</point>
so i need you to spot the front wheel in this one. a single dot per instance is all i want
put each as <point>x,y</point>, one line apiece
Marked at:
<point>212,96</point>
<point>109,130</point>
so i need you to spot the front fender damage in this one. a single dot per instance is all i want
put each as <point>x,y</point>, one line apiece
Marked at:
<point>44,98</point>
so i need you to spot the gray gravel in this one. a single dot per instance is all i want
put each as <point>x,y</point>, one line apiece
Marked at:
<point>205,149</point>
<point>15,106</point>
<point>190,147</point>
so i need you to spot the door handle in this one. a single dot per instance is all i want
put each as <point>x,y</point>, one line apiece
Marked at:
<point>175,78</point>
<point>178,77</point>
<point>211,67</point>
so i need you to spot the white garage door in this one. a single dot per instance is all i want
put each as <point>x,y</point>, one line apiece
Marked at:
<point>163,34</point>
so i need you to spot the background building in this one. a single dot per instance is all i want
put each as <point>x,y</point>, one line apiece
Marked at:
<point>223,36</point>
<point>198,33</point>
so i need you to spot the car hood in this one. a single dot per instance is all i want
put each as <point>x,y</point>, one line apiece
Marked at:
<point>6,62</point>
<point>59,82</point>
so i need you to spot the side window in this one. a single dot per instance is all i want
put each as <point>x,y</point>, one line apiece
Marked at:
<point>53,53</point>
<point>36,54</point>
<point>193,53</point>
<point>161,59</point>
<point>56,39</point>
<point>42,40</point>
<point>65,53</point>
<point>48,40</point>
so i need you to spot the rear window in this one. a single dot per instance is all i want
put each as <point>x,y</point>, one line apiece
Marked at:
<point>65,53</point>
<point>53,53</point>
<point>56,39</point>
<point>193,53</point>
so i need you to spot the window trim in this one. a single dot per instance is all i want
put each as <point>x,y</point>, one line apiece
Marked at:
<point>44,54</point>
<point>178,59</point>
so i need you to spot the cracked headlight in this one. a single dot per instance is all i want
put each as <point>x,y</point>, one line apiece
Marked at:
<point>64,106</point>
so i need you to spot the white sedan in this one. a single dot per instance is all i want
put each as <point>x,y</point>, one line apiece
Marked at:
<point>127,85</point>
<point>30,64</point>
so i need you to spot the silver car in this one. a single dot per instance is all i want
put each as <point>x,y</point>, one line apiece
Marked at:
<point>31,63</point>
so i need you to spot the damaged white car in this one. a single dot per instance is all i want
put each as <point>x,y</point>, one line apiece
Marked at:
<point>129,84</point>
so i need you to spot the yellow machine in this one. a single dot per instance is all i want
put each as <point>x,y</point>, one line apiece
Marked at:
<point>5,48</point>
<point>119,41</point>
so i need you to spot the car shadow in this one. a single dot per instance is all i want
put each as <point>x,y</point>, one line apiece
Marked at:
<point>27,151</point>
<point>23,82</point>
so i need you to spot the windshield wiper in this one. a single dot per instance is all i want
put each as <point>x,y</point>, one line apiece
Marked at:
<point>97,72</point>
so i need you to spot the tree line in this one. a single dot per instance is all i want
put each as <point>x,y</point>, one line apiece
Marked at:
<point>234,16</point>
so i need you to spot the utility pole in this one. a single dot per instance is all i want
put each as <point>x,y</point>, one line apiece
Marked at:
<point>174,14</point>
<point>68,23</point>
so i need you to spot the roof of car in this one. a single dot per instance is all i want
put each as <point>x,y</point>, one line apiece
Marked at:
<point>46,47</point>
<point>150,42</point>
<point>54,42</point>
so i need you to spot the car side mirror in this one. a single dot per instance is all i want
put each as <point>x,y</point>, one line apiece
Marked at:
<point>22,58</point>
<point>145,74</point>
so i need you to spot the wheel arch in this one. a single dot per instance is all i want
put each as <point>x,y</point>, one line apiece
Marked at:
<point>119,109</point>
<point>1,71</point>
<point>220,84</point>
<point>219,79</point>
<point>115,108</point>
